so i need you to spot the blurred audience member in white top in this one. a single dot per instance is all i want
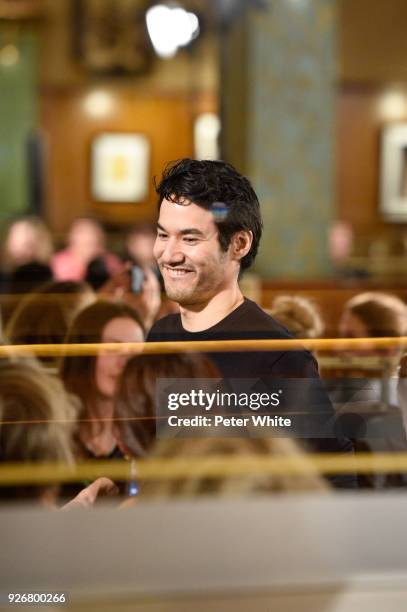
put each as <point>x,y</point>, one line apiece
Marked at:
<point>26,252</point>
<point>27,240</point>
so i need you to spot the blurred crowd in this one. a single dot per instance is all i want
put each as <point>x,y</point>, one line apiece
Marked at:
<point>70,407</point>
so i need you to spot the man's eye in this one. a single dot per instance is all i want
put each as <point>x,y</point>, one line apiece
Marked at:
<point>161,236</point>
<point>190,240</point>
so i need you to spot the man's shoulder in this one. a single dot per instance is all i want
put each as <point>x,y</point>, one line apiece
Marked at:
<point>254,319</point>
<point>247,321</point>
<point>295,363</point>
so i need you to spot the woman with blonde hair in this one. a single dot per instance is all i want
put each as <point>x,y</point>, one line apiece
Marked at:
<point>37,421</point>
<point>299,315</point>
<point>297,472</point>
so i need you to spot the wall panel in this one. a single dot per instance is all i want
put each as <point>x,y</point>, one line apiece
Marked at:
<point>68,131</point>
<point>359,125</point>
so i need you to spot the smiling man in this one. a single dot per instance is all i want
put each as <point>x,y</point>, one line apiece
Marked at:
<point>197,273</point>
<point>208,232</point>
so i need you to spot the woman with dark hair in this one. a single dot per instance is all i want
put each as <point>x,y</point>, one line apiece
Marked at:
<point>373,314</point>
<point>366,401</point>
<point>135,421</point>
<point>94,378</point>
<point>44,316</point>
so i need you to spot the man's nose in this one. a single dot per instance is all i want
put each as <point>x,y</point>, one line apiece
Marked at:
<point>172,253</point>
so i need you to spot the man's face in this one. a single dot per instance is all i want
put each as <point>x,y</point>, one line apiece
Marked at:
<point>188,252</point>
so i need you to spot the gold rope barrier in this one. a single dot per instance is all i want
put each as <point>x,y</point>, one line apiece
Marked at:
<point>214,467</point>
<point>212,346</point>
<point>13,474</point>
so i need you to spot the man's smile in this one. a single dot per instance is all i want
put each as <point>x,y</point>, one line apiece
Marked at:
<point>176,272</point>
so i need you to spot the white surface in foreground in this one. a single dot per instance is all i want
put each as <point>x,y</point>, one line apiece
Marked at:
<point>317,543</point>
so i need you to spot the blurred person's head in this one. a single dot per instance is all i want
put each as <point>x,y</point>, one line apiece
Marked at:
<point>28,277</point>
<point>27,240</point>
<point>95,377</point>
<point>135,401</point>
<point>140,244</point>
<point>73,295</point>
<point>86,239</point>
<point>374,314</point>
<point>299,315</point>
<point>97,273</point>
<point>44,316</point>
<point>202,449</point>
<point>340,241</point>
<point>209,229</point>
<point>37,419</point>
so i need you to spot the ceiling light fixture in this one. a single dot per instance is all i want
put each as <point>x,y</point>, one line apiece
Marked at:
<point>170,27</point>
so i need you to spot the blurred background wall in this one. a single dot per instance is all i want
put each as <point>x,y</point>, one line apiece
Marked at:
<point>18,117</point>
<point>304,89</point>
<point>290,74</point>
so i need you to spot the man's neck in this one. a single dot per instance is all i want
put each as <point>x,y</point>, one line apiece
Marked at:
<point>200,317</point>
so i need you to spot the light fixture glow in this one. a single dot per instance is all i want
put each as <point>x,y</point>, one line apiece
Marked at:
<point>98,104</point>
<point>170,27</point>
<point>393,106</point>
<point>206,134</point>
<point>9,56</point>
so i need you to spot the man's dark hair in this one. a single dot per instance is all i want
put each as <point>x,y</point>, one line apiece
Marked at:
<point>216,186</point>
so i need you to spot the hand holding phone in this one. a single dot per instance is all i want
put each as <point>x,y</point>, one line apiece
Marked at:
<point>137,278</point>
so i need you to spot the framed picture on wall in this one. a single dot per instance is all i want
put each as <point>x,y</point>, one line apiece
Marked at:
<point>110,37</point>
<point>393,173</point>
<point>120,165</point>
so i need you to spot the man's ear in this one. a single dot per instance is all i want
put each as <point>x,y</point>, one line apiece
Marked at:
<point>241,243</point>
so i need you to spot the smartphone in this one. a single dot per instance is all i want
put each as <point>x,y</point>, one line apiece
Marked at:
<point>136,279</point>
